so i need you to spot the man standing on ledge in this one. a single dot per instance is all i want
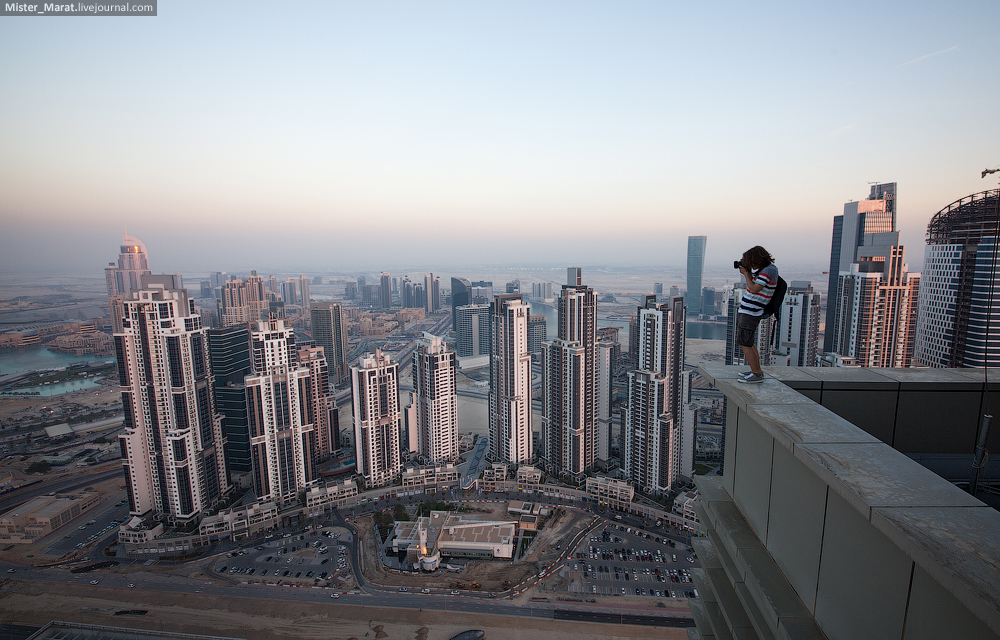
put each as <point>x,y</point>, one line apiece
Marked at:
<point>757,267</point>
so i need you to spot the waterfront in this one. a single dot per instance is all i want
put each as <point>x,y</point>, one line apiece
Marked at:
<point>41,359</point>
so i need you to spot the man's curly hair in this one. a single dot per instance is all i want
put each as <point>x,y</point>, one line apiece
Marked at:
<point>756,258</point>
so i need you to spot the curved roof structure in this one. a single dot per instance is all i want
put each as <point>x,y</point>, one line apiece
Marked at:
<point>132,241</point>
<point>966,220</point>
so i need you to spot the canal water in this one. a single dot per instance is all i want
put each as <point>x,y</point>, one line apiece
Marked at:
<point>41,359</point>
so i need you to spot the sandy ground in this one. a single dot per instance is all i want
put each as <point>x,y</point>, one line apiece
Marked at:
<point>33,603</point>
<point>697,351</point>
<point>101,396</point>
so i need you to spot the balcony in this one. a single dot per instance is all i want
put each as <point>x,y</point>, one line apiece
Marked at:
<point>821,527</point>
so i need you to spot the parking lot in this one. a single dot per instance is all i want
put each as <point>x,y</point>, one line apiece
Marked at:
<point>623,561</point>
<point>305,558</point>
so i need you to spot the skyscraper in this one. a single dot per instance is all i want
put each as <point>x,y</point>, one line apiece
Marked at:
<point>874,298</point>
<point>304,292</point>
<point>385,290</point>
<point>461,295</point>
<point>568,382</point>
<point>377,419</point>
<point>653,433</point>
<point>436,400</point>
<point>432,291</point>
<point>853,229</point>
<point>603,398</point>
<point>242,301</point>
<point>289,291</point>
<point>472,332</point>
<point>229,353</point>
<point>510,381</point>
<point>537,334</point>
<point>133,263</point>
<point>330,332</point>
<point>798,327</point>
<point>277,393</point>
<point>172,445</point>
<point>321,406</point>
<point>957,299</point>
<point>695,271</point>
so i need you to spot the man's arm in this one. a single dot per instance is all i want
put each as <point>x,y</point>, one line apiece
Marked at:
<point>752,287</point>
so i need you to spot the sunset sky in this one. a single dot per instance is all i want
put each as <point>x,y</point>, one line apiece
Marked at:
<point>332,135</point>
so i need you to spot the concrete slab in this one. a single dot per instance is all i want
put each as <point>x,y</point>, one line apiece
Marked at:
<point>768,392</point>
<point>876,475</point>
<point>929,379</point>
<point>957,546</point>
<point>795,377</point>
<point>713,371</point>
<point>852,378</point>
<point>806,423</point>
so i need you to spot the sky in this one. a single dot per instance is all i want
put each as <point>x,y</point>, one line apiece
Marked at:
<point>365,135</point>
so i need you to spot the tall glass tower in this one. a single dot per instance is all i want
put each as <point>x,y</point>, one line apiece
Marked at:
<point>695,270</point>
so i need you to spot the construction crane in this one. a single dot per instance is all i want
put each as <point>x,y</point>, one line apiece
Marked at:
<point>987,172</point>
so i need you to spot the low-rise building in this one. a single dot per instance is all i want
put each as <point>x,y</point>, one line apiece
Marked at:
<point>139,531</point>
<point>42,515</point>
<point>443,534</point>
<point>617,494</point>
<point>493,475</point>
<point>432,479</point>
<point>685,507</point>
<point>528,475</point>
<point>332,494</point>
<point>243,520</point>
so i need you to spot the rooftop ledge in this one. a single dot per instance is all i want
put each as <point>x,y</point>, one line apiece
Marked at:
<point>949,534</point>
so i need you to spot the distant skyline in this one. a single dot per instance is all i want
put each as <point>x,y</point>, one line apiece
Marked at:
<point>363,136</point>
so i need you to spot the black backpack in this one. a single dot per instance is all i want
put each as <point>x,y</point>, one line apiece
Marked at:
<point>773,306</point>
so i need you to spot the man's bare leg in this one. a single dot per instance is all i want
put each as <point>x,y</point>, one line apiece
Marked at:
<point>753,359</point>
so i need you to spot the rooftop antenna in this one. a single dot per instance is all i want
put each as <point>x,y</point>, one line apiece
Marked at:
<point>981,452</point>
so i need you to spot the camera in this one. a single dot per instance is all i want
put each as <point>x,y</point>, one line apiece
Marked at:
<point>736,264</point>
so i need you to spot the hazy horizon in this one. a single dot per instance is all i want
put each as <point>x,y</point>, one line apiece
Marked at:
<point>342,135</point>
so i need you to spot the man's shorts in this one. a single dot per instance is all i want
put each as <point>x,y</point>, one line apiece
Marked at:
<point>746,329</point>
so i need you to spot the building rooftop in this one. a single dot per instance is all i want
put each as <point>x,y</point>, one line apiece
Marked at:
<point>808,448</point>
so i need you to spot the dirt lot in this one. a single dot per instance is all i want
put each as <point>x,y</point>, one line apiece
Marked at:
<point>31,603</point>
<point>489,574</point>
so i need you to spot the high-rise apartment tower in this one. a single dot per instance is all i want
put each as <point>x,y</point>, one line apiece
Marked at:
<point>568,383</point>
<point>172,445</point>
<point>510,381</point>
<point>436,400</point>
<point>653,433</point>
<point>377,419</point>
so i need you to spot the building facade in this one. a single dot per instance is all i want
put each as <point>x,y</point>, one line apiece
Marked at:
<point>377,419</point>
<point>653,433</point>
<point>957,300</point>
<point>695,271</point>
<point>330,332</point>
<point>436,400</point>
<point>798,327</point>
<point>877,304</point>
<point>510,381</point>
<point>229,353</point>
<point>242,301</point>
<point>461,295</point>
<point>133,263</point>
<point>173,443</point>
<point>472,330</point>
<point>281,433</point>
<point>569,383</point>
<point>853,229</point>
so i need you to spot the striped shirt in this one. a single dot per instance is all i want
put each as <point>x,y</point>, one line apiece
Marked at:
<point>753,304</point>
